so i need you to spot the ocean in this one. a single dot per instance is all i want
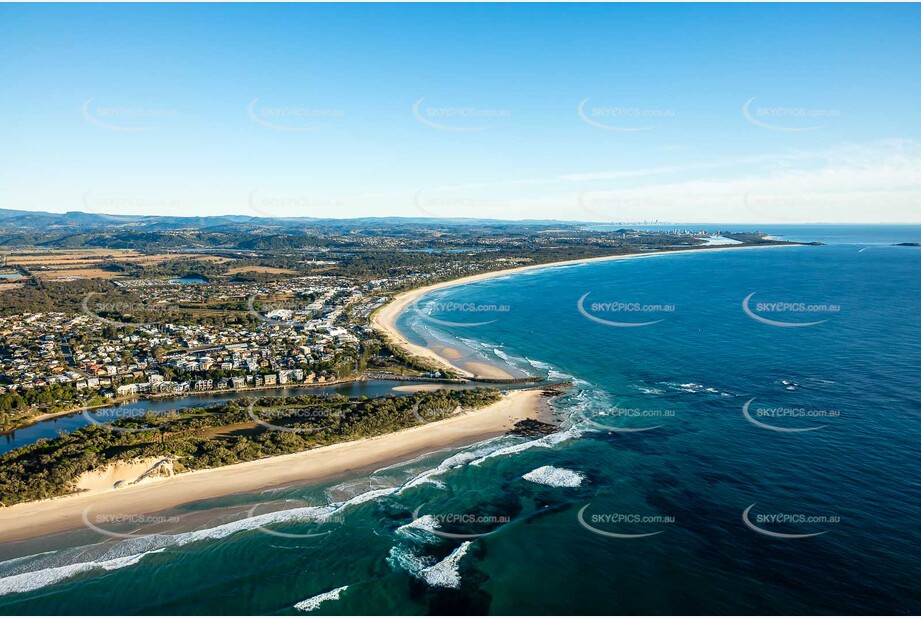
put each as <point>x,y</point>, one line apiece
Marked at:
<point>741,437</point>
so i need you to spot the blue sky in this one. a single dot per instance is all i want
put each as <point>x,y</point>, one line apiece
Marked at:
<point>713,113</point>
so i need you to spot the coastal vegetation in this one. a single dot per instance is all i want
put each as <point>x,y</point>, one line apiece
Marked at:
<point>247,251</point>
<point>20,408</point>
<point>221,435</point>
<point>347,269</point>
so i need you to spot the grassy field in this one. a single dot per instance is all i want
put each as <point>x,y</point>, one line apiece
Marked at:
<point>87,263</point>
<point>68,257</point>
<point>77,273</point>
<point>261,269</point>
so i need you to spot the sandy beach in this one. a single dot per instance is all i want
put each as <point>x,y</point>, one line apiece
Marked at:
<point>33,519</point>
<point>419,388</point>
<point>157,494</point>
<point>384,319</point>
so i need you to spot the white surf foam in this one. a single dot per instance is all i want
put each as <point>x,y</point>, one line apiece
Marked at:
<point>445,574</point>
<point>538,364</point>
<point>502,355</point>
<point>421,529</point>
<point>455,461</point>
<point>694,387</point>
<point>402,558</point>
<point>554,477</point>
<point>308,605</point>
<point>40,570</point>
<point>130,551</point>
<point>544,442</point>
<point>33,580</point>
<point>407,463</point>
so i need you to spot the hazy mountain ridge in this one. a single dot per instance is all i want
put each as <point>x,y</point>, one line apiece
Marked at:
<point>40,220</point>
<point>75,229</point>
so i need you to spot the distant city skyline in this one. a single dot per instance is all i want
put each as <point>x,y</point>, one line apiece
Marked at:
<point>686,114</point>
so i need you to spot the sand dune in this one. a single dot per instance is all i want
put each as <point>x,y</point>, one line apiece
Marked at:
<point>157,494</point>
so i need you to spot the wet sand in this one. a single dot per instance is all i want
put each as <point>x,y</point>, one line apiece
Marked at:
<point>34,519</point>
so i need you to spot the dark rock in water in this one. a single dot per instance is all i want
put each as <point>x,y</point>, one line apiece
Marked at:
<point>525,380</point>
<point>555,390</point>
<point>908,244</point>
<point>532,429</point>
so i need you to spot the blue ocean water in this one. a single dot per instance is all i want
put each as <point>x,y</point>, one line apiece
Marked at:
<point>680,515</point>
<point>837,234</point>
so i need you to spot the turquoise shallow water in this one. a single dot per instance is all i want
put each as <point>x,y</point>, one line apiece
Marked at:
<point>463,532</point>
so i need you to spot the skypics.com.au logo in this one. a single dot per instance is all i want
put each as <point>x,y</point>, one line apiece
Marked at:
<point>291,119</point>
<point>128,119</point>
<point>293,313</point>
<point>324,519</point>
<point>124,309</point>
<point>432,308</point>
<point>116,525</point>
<point>621,118</point>
<point>639,419</point>
<point>457,119</point>
<point>441,524</point>
<point>787,119</point>
<point>122,419</point>
<point>294,420</point>
<point>760,417</point>
<point>786,307</point>
<point>621,525</point>
<point>431,411</point>
<point>769,524</point>
<point>621,308</point>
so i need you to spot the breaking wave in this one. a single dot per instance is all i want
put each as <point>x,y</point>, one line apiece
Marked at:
<point>33,580</point>
<point>34,572</point>
<point>308,605</point>
<point>442,574</point>
<point>694,387</point>
<point>554,477</point>
<point>445,574</point>
<point>544,442</point>
<point>421,529</point>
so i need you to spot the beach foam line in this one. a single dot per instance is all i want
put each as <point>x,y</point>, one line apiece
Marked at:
<point>409,462</point>
<point>29,520</point>
<point>457,460</point>
<point>385,317</point>
<point>129,552</point>
<point>133,549</point>
<point>40,570</point>
<point>33,580</point>
<point>543,442</point>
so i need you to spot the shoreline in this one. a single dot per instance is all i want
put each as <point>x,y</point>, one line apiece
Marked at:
<point>384,319</point>
<point>21,522</point>
<point>29,520</point>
